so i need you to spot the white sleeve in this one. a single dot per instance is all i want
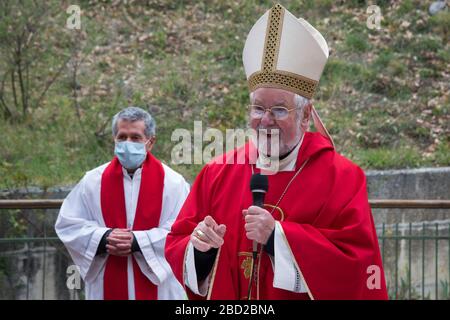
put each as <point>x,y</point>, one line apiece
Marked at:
<point>191,274</point>
<point>81,232</point>
<point>152,261</point>
<point>286,275</point>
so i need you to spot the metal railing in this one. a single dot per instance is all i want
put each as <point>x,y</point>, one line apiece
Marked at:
<point>28,250</point>
<point>397,237</point>
<point>403,289</point>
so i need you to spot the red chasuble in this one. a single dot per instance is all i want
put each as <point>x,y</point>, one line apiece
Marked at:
<point>148,213</point>
<point>325,217</point>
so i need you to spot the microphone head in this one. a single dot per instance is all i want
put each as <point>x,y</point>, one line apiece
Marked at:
<point>259,183</point>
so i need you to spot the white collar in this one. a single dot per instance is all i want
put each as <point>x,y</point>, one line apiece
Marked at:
<point>286,164</point>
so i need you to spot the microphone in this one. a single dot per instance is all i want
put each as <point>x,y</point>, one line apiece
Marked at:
<point>259,184</point>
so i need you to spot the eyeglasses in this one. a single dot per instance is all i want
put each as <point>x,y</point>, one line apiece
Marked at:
<point>278,112</point>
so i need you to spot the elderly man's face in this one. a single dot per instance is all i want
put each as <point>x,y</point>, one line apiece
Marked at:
<point>289,130</point>
<point>133,131</point>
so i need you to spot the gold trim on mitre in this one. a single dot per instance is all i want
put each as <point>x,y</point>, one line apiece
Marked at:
<point>269,75</point>
<point>283,80</point>
<point>273,37</point>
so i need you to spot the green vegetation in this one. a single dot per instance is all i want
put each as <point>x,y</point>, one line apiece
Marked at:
<point>384,95</point>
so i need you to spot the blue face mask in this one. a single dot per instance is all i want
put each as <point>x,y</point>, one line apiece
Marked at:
<point>131,154</point>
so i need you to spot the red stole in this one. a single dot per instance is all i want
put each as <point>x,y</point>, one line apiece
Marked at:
<point>147,216</point>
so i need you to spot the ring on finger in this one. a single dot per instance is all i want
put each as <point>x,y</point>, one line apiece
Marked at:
<point>200,234</point>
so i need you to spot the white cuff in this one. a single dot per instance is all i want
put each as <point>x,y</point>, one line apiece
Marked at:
<point>286,276</point>
<point>191,274</point>
<point>148,261</point>
<point>157,234</point>
<point>97,235</point>
<point>90,269</point>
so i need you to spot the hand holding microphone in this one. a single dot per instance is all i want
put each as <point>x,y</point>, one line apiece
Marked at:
<point>259,223</point>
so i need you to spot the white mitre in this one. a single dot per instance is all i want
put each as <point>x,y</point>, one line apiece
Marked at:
<point>284,52</point>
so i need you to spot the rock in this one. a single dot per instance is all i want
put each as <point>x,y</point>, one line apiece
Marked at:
<point>437,6</point>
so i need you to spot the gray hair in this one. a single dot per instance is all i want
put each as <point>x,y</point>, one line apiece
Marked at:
<point>301,103</point>
<point>135,114</point>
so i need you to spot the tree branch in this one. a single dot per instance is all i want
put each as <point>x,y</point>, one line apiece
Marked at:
<point>50,82</point>
<point>7,112</point>
<point>13,86</point>
<point>23,92</point>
